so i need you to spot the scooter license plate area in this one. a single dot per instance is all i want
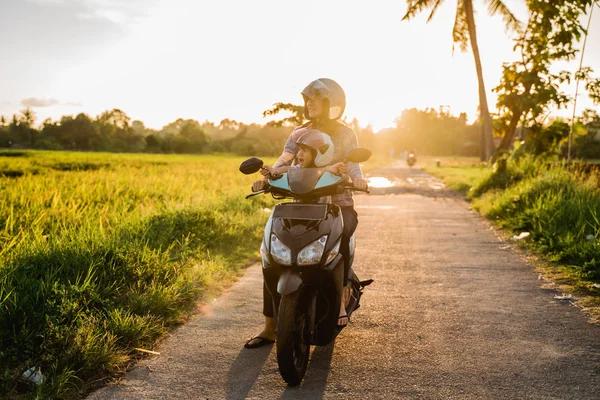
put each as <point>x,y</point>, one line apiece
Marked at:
<point>308,212</point>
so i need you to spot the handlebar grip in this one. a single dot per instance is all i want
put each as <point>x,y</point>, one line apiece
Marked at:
<point>357,189</point>
<point>255,193</point>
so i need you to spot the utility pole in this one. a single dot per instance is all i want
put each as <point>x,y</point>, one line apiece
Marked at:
<point>577,83</point>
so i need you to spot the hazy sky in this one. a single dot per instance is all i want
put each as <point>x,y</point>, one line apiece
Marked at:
<point>159,60</point>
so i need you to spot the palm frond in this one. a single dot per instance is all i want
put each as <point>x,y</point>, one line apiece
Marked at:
<point>414,7</point>
<point>460,31</point>
<point>434,9</point>
<point>497,7</point>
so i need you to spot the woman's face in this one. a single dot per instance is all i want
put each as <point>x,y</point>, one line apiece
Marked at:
<point>304,157</point>
<point>316,107</point>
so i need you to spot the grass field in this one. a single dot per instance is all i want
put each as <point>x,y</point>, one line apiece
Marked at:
<point>101,253</point>
<point>459,173</point>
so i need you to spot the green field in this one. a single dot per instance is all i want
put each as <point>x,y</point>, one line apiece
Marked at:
<point>458,173</point>
<point>101,253</point>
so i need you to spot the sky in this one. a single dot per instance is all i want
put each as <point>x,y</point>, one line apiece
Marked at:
<point>159,60</point>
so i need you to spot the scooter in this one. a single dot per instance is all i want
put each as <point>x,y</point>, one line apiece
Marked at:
<point>302,265</point>
<point>411,160</point>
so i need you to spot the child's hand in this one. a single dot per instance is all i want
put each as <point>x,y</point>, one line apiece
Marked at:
<point>337,169</point>
<point>259,185</point>
<point>271,172</point>
<point>266,171</point>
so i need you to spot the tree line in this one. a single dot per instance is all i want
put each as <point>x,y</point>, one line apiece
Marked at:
<point>428,131</point>
<point>113,131</point>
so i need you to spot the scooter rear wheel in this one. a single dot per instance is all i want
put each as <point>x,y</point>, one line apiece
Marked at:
<point>293,347</point>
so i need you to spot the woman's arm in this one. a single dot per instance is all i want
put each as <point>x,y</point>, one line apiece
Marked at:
<point>354,170</point>
<point>285,159</point>
<point>351,142</point>
<point>289,151</point>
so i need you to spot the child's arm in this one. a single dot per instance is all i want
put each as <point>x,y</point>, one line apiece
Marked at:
<point>337,169</point>
<point>267,171</point>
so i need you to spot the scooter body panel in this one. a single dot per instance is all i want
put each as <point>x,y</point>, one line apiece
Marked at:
<point>324,278</point>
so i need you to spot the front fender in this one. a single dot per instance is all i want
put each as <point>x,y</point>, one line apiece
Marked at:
<point>288,282</point>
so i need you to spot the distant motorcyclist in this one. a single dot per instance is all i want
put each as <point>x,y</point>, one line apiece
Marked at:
<point>412,158</point>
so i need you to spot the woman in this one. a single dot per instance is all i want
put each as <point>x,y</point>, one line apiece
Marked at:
<point>324,105</point>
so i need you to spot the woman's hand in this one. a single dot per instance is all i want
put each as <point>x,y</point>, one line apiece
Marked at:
<point>360,183</point>
<point>337,169</point>
<point>259,185</point>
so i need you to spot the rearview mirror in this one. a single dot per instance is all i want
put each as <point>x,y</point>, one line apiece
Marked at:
<point>358,155</point>
<point>251,166</point>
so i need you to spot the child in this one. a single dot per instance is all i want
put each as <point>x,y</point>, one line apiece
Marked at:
<point>313,152</point>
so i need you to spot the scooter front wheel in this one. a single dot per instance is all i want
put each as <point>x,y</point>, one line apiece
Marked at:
<point>293,347</point>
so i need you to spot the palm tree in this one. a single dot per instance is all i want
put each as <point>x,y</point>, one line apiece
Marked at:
<point>27,120</point>
<point>463,33</point>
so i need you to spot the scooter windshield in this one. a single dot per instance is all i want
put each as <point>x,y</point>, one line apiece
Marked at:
<point>302,181</point>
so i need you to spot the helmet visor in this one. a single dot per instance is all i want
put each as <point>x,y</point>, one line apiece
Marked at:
<point>316,90</point>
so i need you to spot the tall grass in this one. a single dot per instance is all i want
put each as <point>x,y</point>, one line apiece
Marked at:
<point>458,173</point>
<point>100,253</point>
<point>558,205</point>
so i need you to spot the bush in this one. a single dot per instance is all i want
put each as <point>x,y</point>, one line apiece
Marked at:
<point>559,207</point>
<point>517,169</point>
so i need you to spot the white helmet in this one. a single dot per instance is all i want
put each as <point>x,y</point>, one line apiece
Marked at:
<point>318,141</point>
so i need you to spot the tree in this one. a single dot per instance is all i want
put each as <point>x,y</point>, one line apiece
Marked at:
<point>433,133</point>
<point>116,132</point>
<point>463,33</point>
<point>140,129</point>
<point>4,132</point>
<point>26,126</point>
<point>528,88</point>
<point>79,133</point>
<point>296,118</point>
<point>195,136</point>
<point>228,124</point>
<point>152,143</point>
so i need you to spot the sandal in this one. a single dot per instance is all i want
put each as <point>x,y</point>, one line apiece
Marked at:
<point>343,316</point>
<point>261,342</point>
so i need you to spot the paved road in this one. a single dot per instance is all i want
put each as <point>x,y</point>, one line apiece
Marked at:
<point>453,314</point>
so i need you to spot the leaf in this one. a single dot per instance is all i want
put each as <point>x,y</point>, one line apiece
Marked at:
<point>417,6</point>
<point>460,30</point>
<point>497,7</point>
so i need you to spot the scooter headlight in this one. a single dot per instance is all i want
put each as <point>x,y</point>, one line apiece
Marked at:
<point>312,253</point>
<point>280,252</point>
<point>334,252</point>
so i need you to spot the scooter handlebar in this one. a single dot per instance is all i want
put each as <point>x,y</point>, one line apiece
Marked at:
<point>357,189</point>
<point>256,193</point>
<point>345,187</point>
